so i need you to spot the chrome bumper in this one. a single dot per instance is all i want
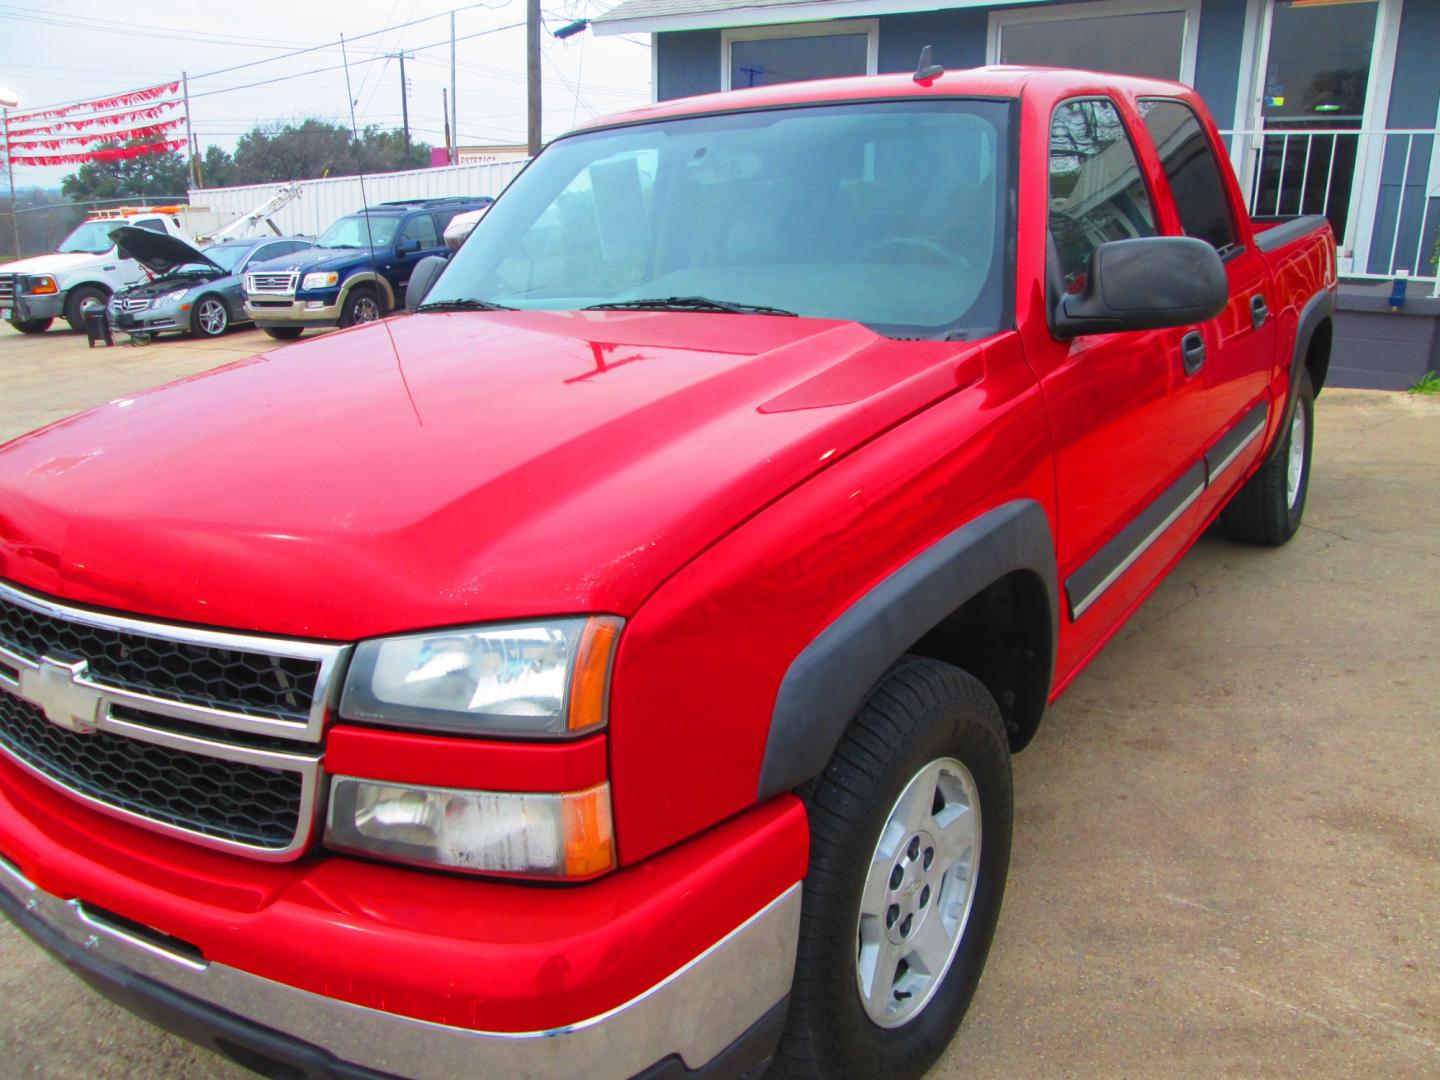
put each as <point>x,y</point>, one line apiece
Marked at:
<point>696,1012</point>
<point>48,306</point>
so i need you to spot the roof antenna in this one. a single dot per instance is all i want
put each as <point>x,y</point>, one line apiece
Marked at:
<point>359,154</point>
<point>928,70</point>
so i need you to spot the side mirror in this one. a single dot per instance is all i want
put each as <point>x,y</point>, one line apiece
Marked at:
<point>421,280</point>
<point>407,247</point>
<point>1144,284</point>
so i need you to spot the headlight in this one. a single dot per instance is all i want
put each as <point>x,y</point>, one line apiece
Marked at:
<point>42,285</point>
<point>566,835</point>
<point>320,280</point>
<point>171,298</point>
<point>545,678</point>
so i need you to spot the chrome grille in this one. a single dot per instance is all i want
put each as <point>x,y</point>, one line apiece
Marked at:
<point>131,303</point>
<point>207,734</point>
<point>271,283</point>
<point>7,289</point>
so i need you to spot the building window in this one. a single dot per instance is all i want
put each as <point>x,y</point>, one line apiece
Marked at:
<point>766,55</point>
<point>1152,38</point>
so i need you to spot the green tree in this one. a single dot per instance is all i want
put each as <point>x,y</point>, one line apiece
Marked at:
<point>315,148</point>
<point>153,175</point>
<point>218,168</point>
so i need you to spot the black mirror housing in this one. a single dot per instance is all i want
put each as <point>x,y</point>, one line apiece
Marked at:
<point>422,279</point>
<point>1144,284</point>
<point>407,247</point>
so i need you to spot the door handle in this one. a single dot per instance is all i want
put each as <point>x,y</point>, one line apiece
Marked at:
<point>1259,311</point>
<point>1192,351</point>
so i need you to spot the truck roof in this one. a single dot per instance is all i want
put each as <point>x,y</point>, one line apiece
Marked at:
<point>994,81</point>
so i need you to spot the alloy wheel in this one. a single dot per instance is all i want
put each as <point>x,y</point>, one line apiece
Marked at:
<point>1295,467</point>
<point>212,318</point>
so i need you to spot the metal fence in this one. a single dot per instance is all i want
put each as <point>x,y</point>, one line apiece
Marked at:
<point>322,201</point>
<point>1380,188</point>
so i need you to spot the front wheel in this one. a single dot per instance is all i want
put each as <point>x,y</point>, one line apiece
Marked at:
<point>910,845</point>
<point>1268,509</point>
<point>31,326</point>
<point>361,306</point>
<point>82,301</point>
<point>210,318</point>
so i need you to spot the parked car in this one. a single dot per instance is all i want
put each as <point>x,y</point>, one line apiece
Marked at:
<point>614,666</point>
<point>85,269</point>
<point>357,270</point>
<point>195,290</point>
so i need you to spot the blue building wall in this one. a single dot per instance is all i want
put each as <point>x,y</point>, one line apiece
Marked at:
<point>1414,96</point>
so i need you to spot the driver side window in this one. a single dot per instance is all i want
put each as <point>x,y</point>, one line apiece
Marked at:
<point>1097,192</point>
<point>421,227</point>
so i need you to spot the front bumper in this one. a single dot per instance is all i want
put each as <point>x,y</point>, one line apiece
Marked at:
<point>50,306</point>
<point>150,321</point>
<point>658,1034</point>
<point>381,968</point>
<point>279,311</point>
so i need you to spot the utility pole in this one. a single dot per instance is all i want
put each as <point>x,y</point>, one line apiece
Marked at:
<point>454,114</point>
<point>445,112</point>
<point>10,171</point>
<point>404,103</point>
<point>189,134</point>
<point>532,72</point>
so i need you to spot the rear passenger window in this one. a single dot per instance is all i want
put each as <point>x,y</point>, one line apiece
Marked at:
<point>1097,192</point>
<point>1194,174</point>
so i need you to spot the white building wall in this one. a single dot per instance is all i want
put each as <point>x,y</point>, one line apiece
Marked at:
<point>322,201</point>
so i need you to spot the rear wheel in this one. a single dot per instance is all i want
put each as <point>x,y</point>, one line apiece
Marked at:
<point>361,306</point>
<point>31,326</point>
<point>1268,509</point>
<point>284,333</point>
<point>210,317</point>
<point>910,845</point>
<point>83,299</point>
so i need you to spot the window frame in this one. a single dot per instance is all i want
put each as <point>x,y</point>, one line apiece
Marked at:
<point>404,225</point>
<point>1221,158</point>
<point>829,28</point>
<point>1056,275</point>
<point>1189,42</point>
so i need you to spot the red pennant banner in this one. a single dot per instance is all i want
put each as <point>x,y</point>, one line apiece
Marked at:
<point>128,116</point>
<point>114,153</point>
<point>140,134</point>
<point>134,97</point>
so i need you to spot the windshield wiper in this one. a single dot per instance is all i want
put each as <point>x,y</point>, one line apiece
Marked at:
<point>689,303</point>
<point>463,305</point>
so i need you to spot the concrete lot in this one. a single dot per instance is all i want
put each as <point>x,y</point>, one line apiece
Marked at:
<point>1227,850</point>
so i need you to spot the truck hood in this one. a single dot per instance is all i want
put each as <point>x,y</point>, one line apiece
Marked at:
<point>484,466</point>
<point>314,258</point>
<point>56,263</point>
<point>159,253</point>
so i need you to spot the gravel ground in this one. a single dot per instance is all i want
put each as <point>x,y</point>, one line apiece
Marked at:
<point>1227,845</point>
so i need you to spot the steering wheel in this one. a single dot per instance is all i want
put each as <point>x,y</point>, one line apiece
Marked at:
<point>919,243</point>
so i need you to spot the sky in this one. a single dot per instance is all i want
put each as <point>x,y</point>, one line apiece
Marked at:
<point>53,52</point>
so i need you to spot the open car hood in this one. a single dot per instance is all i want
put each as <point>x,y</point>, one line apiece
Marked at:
<point>160,253</point>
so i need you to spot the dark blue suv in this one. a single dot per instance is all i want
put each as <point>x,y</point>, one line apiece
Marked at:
<point>357,270</point>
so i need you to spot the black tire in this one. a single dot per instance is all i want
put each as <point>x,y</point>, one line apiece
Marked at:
<point>921,711</point>
<point>284,333</point>
<point>1263,511</point>
<point>207,320</point>
<point>31,326</point>
<point>363,304</point>
<point>81,298</point>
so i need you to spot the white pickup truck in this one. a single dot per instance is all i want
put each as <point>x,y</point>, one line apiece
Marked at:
<point>85,269</point>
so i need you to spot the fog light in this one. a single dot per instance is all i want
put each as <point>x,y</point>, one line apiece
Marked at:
<point>565,835</point>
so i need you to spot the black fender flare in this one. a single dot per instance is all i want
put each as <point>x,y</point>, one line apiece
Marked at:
<point>826,683</point>
<point>1317,309</point>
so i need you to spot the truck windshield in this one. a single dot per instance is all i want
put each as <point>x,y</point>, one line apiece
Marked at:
<point>893,214</point>
<point>351,232</point>
<point>92,237</point>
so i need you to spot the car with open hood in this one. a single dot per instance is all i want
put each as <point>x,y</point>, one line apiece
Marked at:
<point>194,290</point>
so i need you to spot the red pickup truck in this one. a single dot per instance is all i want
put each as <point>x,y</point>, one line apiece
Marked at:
<point>613,667</point>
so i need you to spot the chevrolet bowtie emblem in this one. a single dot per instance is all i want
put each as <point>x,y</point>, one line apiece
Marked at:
<point>53,686</point>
